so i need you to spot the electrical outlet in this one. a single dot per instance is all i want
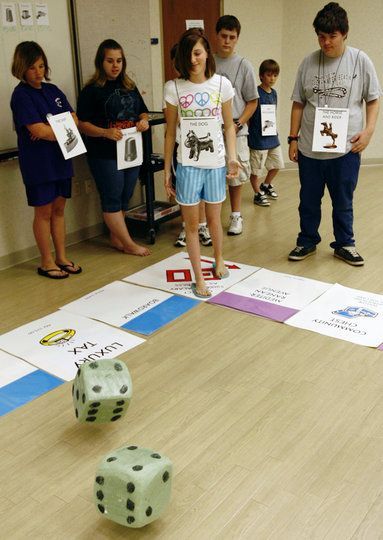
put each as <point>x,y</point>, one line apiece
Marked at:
<point>76,188</point>
<point>88,186</point>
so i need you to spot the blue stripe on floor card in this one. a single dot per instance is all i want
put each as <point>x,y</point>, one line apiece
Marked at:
<point>165,312</point>
<point>25,389</point>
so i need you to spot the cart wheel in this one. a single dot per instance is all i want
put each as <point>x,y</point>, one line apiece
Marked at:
<point>152,236</point>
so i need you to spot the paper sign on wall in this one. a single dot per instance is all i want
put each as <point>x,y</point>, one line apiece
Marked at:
<point>26,16</point>
<point>129,149</point>
<point>8,14</point>
<point>67,134</point>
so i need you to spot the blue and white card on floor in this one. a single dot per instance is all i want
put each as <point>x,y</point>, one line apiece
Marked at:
<point>60,342</point>
<point>20,382</point>
<point>131,307</point>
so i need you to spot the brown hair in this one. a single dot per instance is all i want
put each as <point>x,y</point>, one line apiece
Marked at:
<point>269,66</point>
<point>25,55</point>
<point>332,18</point>
<point>99,77</point>
<point>184,50</point>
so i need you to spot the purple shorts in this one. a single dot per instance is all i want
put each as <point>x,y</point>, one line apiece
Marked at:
<point>42,194</point>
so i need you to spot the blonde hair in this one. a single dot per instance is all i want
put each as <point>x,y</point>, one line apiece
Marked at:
<point>25,55</point>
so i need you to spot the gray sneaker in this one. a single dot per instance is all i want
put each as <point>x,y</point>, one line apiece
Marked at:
<point>181,240</point>
<point>204,235</point>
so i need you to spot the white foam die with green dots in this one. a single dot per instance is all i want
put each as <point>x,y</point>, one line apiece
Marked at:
<point>102,391</point>
<point>133,485</point>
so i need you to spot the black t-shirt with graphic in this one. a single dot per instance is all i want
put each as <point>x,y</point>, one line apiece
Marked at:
<point>107,106</point>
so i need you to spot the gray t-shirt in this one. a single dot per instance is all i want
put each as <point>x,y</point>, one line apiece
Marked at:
<point>336,82</point>
<point>240,73</point>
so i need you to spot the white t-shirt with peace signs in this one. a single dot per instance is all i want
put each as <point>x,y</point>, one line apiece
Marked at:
<point>198,101</point>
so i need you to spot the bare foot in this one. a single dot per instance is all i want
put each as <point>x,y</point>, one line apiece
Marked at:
<point>117,245</point>
<point>220,269</point>
<point>136,249</point>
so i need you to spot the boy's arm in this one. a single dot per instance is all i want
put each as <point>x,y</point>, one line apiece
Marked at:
<point>247,113</point>
<point>361,140</point>
<point>295,125</point>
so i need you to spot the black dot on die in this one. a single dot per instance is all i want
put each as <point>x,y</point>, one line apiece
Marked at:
<point>114,418</point>
<point>76,413</point>
<point>130,505</point>
<point>101,508</point>
<point>137,467</point>
<point>99,495</point>
<point>130,519</point>
<point>117,410</point>
<point>92,411</point>
<point>93,365</point>
<point>156,456</point>
<point>111,459</point>
<point>121,402</point>
<point>149,511</point>
<point>90,418</point>
<point>123,389</point>
<point>77,394</point>
<point>83,398</point>
<point>132,447</point>
<point>97,388</point>
<point>117,367</point>
<point>130,487</point>
<point>95,404</point>
<point>165,476</point>
<point>100,480</point>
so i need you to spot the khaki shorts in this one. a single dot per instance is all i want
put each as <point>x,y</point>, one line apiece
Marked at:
<point>243,156</point>
<point>262,161</point>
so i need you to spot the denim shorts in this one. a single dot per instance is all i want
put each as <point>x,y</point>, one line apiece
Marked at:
<point>115,187</point>
<point>195,184</point>
<point>46,193</point>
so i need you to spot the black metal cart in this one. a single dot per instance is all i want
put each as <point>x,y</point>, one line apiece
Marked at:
<point>152,213</point>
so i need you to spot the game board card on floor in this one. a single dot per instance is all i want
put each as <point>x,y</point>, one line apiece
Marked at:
<point>62,341</point>
<point>175,275</point>
<point>271,294</point>
<point>131,307</point>
<point>21,382</point>
<point>344,313</point>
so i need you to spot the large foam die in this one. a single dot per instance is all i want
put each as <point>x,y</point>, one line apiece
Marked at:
<point>133,485</point>
<point>102,391</point>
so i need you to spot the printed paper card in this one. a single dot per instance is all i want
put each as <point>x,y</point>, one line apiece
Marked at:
<point>330,130</point>
<point>62,341</point>
<point>271,294</point>
<point>131,307</point>
<point>344,313</point>
<point>21,382</point>
<point>175,275</point>
<point>67,134</point>
<point>201,142</point>
<point>41,13</point>
<point>268,120</point>
<point>8,14</point>
<point>26,15</point>
<point>129,149</point>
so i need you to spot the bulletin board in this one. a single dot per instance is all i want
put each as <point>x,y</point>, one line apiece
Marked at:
<point>49,24</point>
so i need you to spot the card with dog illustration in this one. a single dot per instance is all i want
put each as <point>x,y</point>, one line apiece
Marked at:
<point>201,142</point>
<point>330,130</point>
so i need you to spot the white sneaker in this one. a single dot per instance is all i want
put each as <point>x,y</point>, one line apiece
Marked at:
<point>236,225</point>
<point>204,235</point>
<point>181,240</point>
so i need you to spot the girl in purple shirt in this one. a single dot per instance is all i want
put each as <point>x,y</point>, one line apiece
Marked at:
<point>46,174</point>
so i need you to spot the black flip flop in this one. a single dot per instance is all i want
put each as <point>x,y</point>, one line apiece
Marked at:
<point>70,268</point>
<point>48,274</point>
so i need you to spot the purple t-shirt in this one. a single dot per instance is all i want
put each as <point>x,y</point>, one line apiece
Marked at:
<point>40,161</point>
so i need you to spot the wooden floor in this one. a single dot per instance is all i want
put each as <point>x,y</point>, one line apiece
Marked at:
<point>274,432</point>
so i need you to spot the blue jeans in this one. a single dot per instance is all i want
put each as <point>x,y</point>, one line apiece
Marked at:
<point>115,187</point>
<point>340,175</point>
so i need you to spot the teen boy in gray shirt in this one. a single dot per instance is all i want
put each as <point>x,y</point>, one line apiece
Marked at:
<point>240,73</point>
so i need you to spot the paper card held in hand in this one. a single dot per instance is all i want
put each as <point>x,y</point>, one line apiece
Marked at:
<point>67,134</point>
<point>268,120</point>
<point>330,130</point>
<point>129,149</point>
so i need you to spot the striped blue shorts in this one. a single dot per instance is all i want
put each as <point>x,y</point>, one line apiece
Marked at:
<point>195,184</point>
